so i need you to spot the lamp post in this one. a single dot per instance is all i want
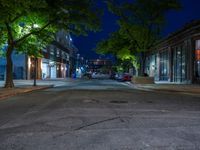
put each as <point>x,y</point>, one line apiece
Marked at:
<point>26,31</point>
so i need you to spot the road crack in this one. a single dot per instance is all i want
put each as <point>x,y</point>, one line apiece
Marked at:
<point>95,123</point>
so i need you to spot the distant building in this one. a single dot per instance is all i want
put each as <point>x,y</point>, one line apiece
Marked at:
<point>58,61</point>
<point>59,57</point>
<point>81,66</point>
<point>176,59</point>
<point>97,65</point>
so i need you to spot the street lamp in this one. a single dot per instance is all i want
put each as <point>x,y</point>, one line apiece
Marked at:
<point>25,29</point>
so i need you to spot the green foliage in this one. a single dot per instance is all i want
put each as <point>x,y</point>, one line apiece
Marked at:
<point>115,43</point>
<point>2,53</point>
<point>120,46</point>
<point>26,19</point>
<point>140,24</point>
<point>125,55</point>
<point>27,25</point>
<point>141,21</point>
<point>119,69</point>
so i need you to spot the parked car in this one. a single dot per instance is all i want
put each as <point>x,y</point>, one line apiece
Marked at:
<point>98,75</point>
<point>127,77</point>
<point>87,75</point>
<point>118,76</point>
<point>123,77</point>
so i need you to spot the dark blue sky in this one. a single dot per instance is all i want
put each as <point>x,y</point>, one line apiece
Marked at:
<point>175,20</point>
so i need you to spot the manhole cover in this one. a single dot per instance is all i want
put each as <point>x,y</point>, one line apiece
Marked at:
<point>119,102</point>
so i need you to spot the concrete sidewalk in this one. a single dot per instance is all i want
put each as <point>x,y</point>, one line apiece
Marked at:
<point>180,88</point>
<point>24,86</point>
<point>5,93</point>
<point>46,82</point>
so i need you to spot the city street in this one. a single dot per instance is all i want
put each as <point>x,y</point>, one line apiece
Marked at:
<point>99,115</point>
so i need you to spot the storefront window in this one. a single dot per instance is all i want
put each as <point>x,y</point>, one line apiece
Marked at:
<point>150,65</point>
<point>164,66</point>
<point>179,64</point>
<point>197,59</point>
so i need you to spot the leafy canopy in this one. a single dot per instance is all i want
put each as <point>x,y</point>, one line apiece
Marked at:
<point>142,21</point>
<point>140,25</point>
<point>24,22</point>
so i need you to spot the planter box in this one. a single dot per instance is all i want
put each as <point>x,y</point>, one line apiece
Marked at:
<point>142,80</point>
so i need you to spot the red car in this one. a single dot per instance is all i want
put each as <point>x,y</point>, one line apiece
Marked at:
<point>126,77</point>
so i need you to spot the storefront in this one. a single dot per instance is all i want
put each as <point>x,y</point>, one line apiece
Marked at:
<point>151,65</point>
<point>52,69</point>
<point>197,60</point>
<point>164,65</point>
<point>179,64</point>
<point>45,69</point>
<point>176,59</point>
<point>48,69</point>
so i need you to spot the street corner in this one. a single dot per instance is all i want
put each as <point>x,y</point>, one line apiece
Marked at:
<point>6,93</point>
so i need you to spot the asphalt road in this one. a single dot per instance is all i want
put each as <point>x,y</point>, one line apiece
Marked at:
<point>99,115</point>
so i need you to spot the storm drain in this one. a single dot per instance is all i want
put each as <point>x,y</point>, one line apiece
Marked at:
<point>119,102</point>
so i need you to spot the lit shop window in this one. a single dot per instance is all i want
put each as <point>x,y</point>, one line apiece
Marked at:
<point>197,58</point>
<point>197,54</point>
<point>197,50</point>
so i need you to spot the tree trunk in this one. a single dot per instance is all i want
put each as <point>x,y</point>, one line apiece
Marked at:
<point>9,64</point>
<point>9,68</point>
<point>35,71</point>
<point>142,65</point>
<point>136,72</point>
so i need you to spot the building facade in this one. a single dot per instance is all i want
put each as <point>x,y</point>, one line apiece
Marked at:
<point>59,57</point>
<point>99,65</point>
<point>176,59</point>
<point>58,61</point>
<point>19,66</point>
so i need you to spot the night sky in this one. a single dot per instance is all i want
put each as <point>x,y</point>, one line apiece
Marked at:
<point>175,20</point>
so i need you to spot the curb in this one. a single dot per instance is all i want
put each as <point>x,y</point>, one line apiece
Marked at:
<point>143,88</point>
<point>25,91</point>
<point>168,90</point>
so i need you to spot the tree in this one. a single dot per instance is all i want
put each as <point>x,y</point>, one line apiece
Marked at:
<point>119,46</point>
<point>33,46</point>
<point>22,21</point>
<point>141,22</point>
<point>125,55</point>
